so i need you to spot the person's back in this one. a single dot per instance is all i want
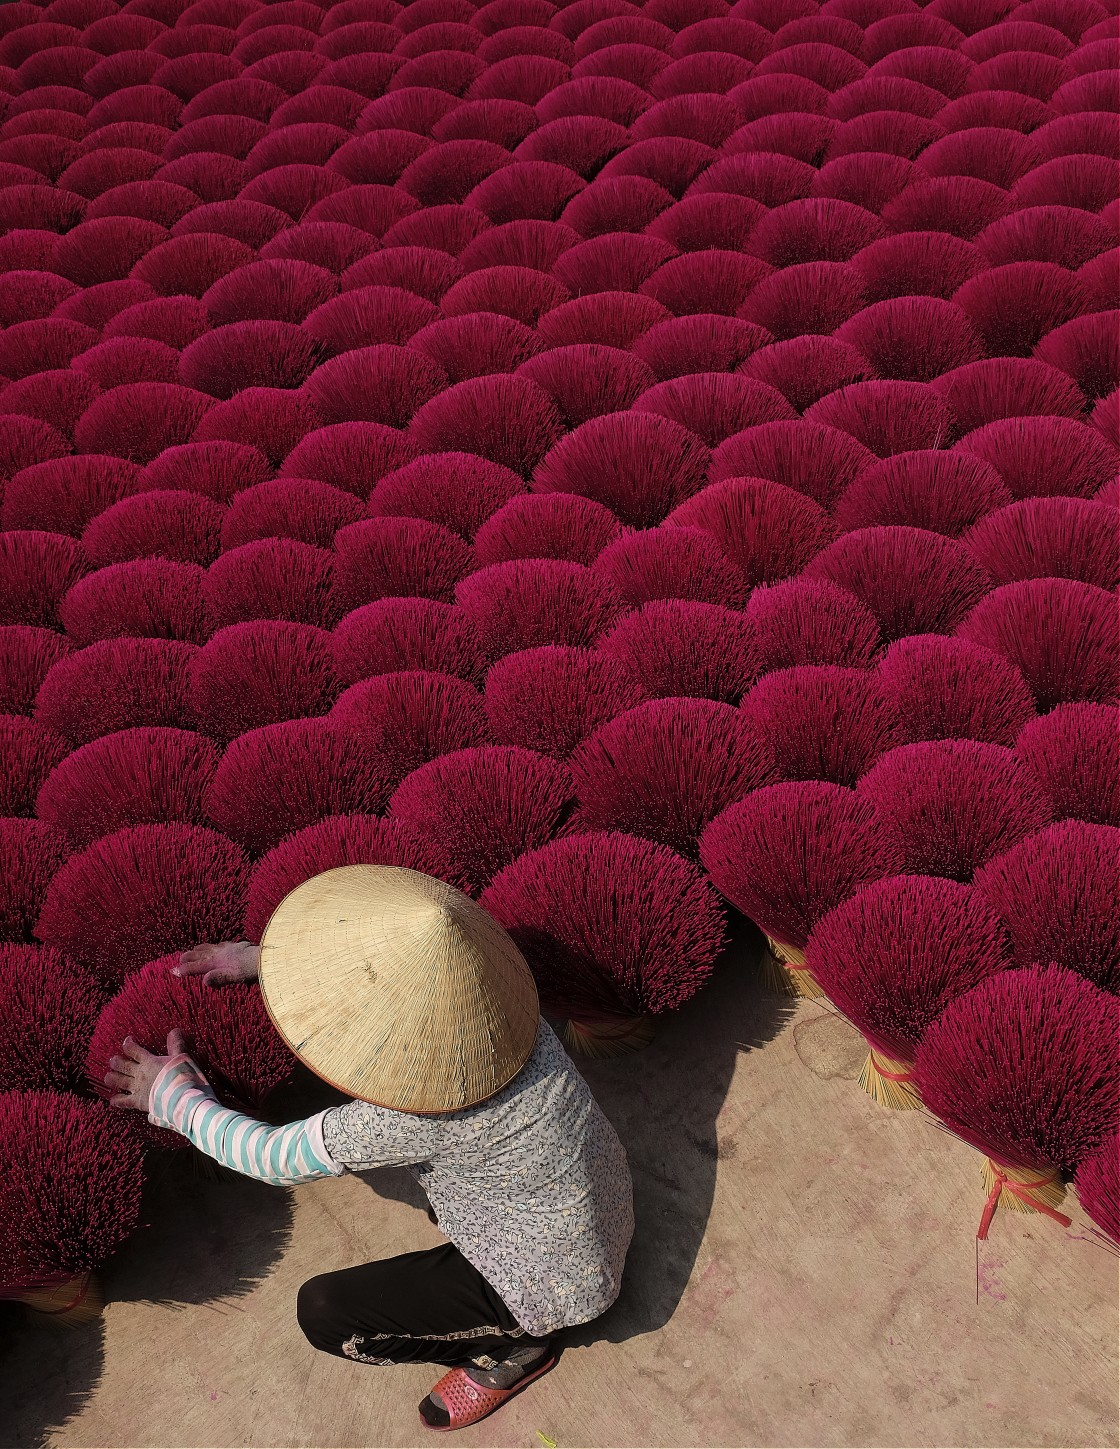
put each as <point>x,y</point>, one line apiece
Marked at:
<point>531,1185</point>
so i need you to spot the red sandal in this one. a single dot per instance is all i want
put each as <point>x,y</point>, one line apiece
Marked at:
<point>468,1402</point>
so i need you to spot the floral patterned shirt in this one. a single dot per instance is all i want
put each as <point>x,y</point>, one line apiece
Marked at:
<point>532,1186</point>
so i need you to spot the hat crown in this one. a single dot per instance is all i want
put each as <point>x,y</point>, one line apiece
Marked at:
<point>438,935</point>
<point>398,988</point>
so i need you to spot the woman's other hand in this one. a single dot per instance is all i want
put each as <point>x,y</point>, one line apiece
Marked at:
<point>133,1072</point>
<point>220,964</point>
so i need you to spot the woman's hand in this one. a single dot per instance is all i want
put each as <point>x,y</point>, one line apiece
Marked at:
<point>133,1073</point>
<point>219,965</point>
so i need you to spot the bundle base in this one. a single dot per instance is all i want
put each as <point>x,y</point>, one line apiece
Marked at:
<point>1023,1190</point>
<point>71,1304</point>
<point>608,1037</point>
<point>784,972</point>
<point>889,1082</point>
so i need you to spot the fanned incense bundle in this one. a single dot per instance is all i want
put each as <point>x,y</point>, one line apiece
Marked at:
<point>789,853</point>
<point>261,673</point>
<point>390,558</point>
<point>912,580</point>
<point>679,647</point>
<point>640,465</point>
<point>36,570</point>
<point>228,1032</point>
<point>171,523</point>
<point>615,929</point>
<point>809,621</point>
<point>302,509</point>
<point>405,719</point>
<point>528,602</point>
<point>672,563</point>
<point>509,420</point>
<point>52,1241</point>
<point>273,578</point>
<point>1070,538</point>
<point>1053,891</point>
<point>1024,1067</point>
<point>941,491</point>
<point>483,807</point>
<point>392,635</point>
<point>546,525</point>
<point>279,778</point>
<point>148,598</point>
<point>768,530</point>
<point>892,957</point>
<point>822,722</point>
<point>182,882</point>
<point>62,495</point>
<point>1063,636</point>
<point>133,777</point>
<point>1074,752</point>
<point>954,804</point>
<point>550,699</point>
<point>664,769</point>
<point>947,688</point>
<point>456,490</point>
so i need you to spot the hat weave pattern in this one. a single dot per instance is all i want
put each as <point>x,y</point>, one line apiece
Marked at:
<point>398,989</point>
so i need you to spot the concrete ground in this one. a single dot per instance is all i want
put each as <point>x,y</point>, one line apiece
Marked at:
<point>805,1272</point>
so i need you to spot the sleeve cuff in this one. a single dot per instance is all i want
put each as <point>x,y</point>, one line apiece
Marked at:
<point>314,1128</point>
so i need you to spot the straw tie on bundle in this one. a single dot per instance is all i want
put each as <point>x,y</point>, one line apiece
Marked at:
<point>785,972</point>
<point>608,1036</point>
<point>887,1082</point>
<point>1022,1190</point>
<point>1024,1067</point>
<point>72,1304</point>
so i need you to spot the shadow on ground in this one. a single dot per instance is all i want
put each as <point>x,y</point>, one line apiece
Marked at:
<point>210,1234</point>
<point>45,1375</point>
<point>665,1103</point>
<point>204,1239</point>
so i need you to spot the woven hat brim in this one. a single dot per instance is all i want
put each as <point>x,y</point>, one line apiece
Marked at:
<point>398,989</point>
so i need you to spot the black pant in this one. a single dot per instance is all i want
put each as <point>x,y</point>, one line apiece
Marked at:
<point>426,1307</point>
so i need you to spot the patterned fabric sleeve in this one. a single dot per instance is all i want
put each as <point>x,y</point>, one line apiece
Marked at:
<point>361,1136</point>
<point>183,1100</point>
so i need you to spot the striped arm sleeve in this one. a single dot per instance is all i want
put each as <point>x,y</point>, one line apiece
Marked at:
<point>183,1100</point>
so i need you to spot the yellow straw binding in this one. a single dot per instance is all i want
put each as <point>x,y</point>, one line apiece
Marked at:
<point>785,974</point>
<point>71,1304</point>
<point>887,1082</point>
<point>1038,1184</point>
<point>609,1038</point>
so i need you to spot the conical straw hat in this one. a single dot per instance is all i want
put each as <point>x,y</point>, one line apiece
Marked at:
<point>398,989</point>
